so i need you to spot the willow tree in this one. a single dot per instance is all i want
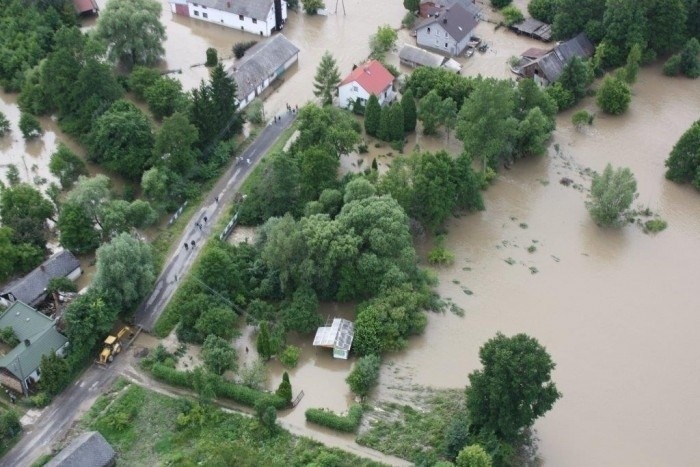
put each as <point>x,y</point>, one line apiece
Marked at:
<point>132,31</point>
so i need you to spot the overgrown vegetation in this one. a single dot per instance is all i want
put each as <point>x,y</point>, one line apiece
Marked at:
<point>612,193</point>
<point>347,423</point>
<point>146,428</point>
<point>683,164</point>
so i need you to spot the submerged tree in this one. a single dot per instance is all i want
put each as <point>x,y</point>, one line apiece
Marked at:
<point>612,193</point>
<point>326,79</point>
<point>684,162</point>
<point>614,96</point>
<point>133,31</point>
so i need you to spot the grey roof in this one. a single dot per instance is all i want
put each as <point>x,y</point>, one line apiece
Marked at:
<point>30,289</point>
<point>257,9</point>
<point>456,20</point>
<point>554,62</point>
<point>260,62</point>
<point>535,28</point>
<point>414,55</point>
<point>35,327</point>
<point>87,450</point>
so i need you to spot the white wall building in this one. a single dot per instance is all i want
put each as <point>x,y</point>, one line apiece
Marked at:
<point>368,78</point>
<point>259,17</point>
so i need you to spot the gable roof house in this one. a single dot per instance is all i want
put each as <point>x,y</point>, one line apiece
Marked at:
<point>38,336</point>
<point>90,449</point>
<point>369,78</point>
<point>449,32</point>
<point>260,17</point>
<point>415,57</point>
<point>31,289</point>
<point>261,65</point>
<point>547,68</point>
<point>433,7</point>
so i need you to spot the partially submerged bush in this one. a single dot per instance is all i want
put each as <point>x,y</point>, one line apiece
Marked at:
<point>239,48</point>
<point>655,225</point>
<point>347,423</point>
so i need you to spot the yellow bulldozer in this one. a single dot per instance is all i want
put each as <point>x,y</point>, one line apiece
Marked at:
<point>113,346</point>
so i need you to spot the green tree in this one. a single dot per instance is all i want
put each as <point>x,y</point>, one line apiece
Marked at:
<point>219,321</point>
<point>66,166</point>
<point>683,164</point>
<point>486,124</point>
<point>500,3</point>
<point>133,31</point>
<point>411,5</point>
<point>122,140</point>
<point>142,78</point>
<point>212,57</point>
<point>77,228</point>
<point>91,194</point>
<point>614,96</point>
<point>4,125</point>
<point>164,97</point>
<point>468,185</point>
<point>631,69</point>
<point>666,21</point>
<point>395,123</point>
<point>327,79</point>
<point>574,16</point>
<point>29,126</point>
<point>612,193</point>
<point>408,104</point>
<point>448,115</point>
<point>364,375</point>
<point>319,170</point>
<point>576,77</point>
<point>384,132</point>
<point>10,425</point>
<point>513,389</point>
<point>284,391</point>
<point>17,257</point>
<point>359,188</point>
<point>672,67</point>
<point>214,110</point>
<point>55,373</point>
<point>512,15</point>
<point>154,184</point>
<point>88,319</point>
<point>262,343</point>
<point>434,192</point>
<point>473,456</point>
<point>125,272</point>
<point>373,113</point>
<point>543,10</point>
<point>302,313</point>
<point>174,146</point>
<point>533,132</point>
<point>13,177</point>
<point>429,109</point>
<point>625,24</point>
<point>382,41</point>
<point>311,7</point>
<point>218,355</point>
<point>689,63</point>
<point>25,210</point>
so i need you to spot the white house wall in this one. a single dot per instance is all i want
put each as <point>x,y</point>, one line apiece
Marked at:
<point>258,26</point>
<point>350,92</point>
<point>437,38</point>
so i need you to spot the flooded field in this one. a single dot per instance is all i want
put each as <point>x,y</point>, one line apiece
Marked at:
<point>615,308</point>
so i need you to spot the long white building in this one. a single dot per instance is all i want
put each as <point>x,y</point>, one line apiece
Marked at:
<point>259,17</point>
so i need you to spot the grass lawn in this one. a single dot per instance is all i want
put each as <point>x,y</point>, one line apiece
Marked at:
<point>146,428</point>
<point>417,435</point>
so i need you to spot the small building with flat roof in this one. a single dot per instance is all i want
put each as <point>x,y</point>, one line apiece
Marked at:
<point>337,336</point>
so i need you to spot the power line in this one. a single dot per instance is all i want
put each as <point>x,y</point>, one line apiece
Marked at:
<point>230,303</point>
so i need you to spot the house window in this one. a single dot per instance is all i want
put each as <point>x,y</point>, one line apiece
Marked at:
<point>240,17</point>
<point>355,89</point>
<point>255,21</point>
<point>445,42</point>
<point>196,13</point>
<point>446,36</point>
<point>204,7</point>
<point>195,4</point>
<point>205,15</point>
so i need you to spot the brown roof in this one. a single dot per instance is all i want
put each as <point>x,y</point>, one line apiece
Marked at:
<point>85,6</point>
<point>534,52</point>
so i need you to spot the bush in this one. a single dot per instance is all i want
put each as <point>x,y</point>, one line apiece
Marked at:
<point>512,15</point>
<point>365,375</point>
<point>673,65</point>
<point>655,225</point>
<point>284,390</point>
<point>582,118</point>
<point>239,48</point>
<point>543,10</point>
<point>409,19</point>
<point>254,112</point>
<point>614,96</point>
<point>29,126</point>
<point>40,400</point>
<point>500,3</point>
<point>347,423</point>
<point>4,125</point>
<point>440,255</point>
<point>8,337</point>
<point>563,97</point>
<point>212,57</point>
<point>290,356</point>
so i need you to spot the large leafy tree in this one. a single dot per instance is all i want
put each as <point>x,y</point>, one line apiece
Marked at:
<point>543,10</point>
<point>88,319</point>
<point>364,375</point>
<point>576,77</point>
<point>133,31</point>
<point>382,41</point>
<point>614,96</point>
<point>125,272</point>
<point>122,140</point>
<point>433,188</point>
<point>67,166</point>
<point>174,145</point>
<point>17,257</point>
<point>319,170</point>
<point>429,110</point>
<point>164,97</point>
<point>513,388</point>
<point>612,193</point>
<point>574,16</point>
<point>77,228</point>
<point>218,355</point>
<point>667,20</point>
<point>683,165</point>
<point>25,210</point>
<point>326,79</point>
<point>486,124</point>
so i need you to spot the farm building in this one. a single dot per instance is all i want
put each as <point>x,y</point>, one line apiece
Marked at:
<point>368,78</point>
<point>449,32</point>
<point>31,289</point>
<point>534,28</point>
<point>37,336</point>
<point>260,17</point>
<point>415,57</point>
<point>261,66</point>
<point>338,336</point>
<point>547,68</point>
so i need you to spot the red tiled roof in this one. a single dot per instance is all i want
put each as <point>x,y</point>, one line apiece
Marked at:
<point>372,76</point>
<point>82,6</point>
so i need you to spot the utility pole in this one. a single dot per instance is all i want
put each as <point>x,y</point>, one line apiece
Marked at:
<point>336,6</point>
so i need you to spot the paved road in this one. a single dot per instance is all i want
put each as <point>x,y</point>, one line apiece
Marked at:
<point>54,421</point>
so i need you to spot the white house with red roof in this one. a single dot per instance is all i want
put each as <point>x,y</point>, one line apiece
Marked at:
<point>369,78</point>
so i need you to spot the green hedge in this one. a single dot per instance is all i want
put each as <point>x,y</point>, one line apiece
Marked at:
<point>330,419</point>
<point>222,388</point>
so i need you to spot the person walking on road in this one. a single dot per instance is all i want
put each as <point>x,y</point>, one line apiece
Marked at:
<point>187,247</point>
